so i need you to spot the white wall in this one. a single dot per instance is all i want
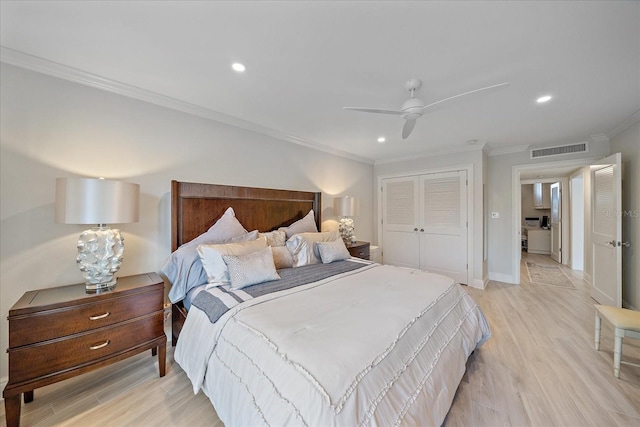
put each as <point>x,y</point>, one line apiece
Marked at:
<point>500,199</point>
<point>577,222</point>
<point>628,144</point>
<point>54,128</point>
<point>439,162</point>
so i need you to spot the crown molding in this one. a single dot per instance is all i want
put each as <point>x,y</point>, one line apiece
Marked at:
<point>508,150</point>
<point>44,66</point>
<point>598,138</point>
<point>434,153</point>
<point>623,125</point>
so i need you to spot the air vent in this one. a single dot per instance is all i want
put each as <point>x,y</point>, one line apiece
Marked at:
<point>560,150</point>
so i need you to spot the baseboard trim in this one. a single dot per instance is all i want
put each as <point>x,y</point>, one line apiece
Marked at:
<point>505,278</point>
<point>587,278</point>
<point>478,284</point>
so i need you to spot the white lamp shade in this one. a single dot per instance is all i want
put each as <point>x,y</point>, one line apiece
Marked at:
<point>345,206</point>
<point>96,201</point>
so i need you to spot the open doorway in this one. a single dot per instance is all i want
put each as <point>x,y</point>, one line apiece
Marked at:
<point>548,172</point>
<point>558,221</point>
<point>545,216</point>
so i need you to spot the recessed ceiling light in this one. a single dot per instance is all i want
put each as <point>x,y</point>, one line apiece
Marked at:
<point>543,99</point>
<point>382,139</point>
<point>472,141</point>
<point>238,67</point>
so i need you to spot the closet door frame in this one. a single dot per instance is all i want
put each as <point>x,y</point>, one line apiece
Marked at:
<point>470,209</point>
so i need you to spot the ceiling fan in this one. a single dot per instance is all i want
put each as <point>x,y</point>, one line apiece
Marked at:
<point>413,108</point>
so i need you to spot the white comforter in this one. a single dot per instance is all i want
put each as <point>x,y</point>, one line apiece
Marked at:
<point>379,346</point>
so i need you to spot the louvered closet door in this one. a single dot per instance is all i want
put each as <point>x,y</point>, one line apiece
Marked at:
<point>443,219</point>
<point>400,212</point>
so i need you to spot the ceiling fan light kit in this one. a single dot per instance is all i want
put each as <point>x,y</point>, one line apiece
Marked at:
<point>413,108</point>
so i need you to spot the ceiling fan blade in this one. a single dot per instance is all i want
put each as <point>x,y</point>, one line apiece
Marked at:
<point>374,110</point>
<point>450,100</point>
<point>408,128</point>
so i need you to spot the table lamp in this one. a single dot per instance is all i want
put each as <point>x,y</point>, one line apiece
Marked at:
<point>100,202</point>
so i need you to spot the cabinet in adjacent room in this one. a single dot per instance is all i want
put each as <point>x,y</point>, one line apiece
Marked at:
<point>541,195</point>
<point>539,242</point>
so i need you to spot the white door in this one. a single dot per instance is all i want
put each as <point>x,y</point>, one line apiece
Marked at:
<point>400,212</point>
<point>443,224</point>
<point>555,222</point>
<point>606,230</point>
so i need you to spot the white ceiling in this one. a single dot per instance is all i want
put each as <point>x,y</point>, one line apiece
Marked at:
<point>306,60</point>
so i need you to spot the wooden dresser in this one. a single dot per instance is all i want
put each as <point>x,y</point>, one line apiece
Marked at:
<point>359,250</point>
<point>58,333</point>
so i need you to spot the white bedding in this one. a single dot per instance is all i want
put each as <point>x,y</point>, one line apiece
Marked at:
<point>378,346</point>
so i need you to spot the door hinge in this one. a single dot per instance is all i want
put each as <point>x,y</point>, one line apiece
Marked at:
<point>381,188</point>
<point>466,182</point>
<point>382,221</point>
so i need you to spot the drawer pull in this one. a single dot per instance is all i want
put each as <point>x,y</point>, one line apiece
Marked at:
<point>99,316</point>
<point>99,346</point>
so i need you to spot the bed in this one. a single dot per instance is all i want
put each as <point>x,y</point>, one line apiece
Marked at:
<point>348,342</point>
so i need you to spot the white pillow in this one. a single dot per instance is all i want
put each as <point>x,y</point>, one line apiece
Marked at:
<point>282,257</point>
<point>184,269</point>
<point>214,265</point>
<point>251,269</point>
<point>332,251</point>
<point>304,225</point>
<point>302,248</point>
<point>224,228</point>
<point>275,238</point>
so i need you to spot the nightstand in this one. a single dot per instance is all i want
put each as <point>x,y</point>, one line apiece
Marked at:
<point>59,333</point>
<point>359,249</point>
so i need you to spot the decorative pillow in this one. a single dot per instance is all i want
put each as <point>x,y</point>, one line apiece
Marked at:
<point>275,238</point>
<point>214,265</point>
<point>304,225</point>
<point>251,269</point>
<point>332,251</point>
<point>183,268</point>
<point>302,248</point>
<point>282,257</point>
<point>222,230</point>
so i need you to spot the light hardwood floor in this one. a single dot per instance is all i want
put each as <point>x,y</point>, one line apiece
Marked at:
<point>539,368</point>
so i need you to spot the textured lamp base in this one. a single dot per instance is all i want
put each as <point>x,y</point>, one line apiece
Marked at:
<point>100,252</point>
<point>346,229</point>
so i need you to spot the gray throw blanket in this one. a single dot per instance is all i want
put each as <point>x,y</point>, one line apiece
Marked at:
<point>217,301</point>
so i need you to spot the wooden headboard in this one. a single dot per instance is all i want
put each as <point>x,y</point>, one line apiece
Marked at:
<point>196,207</point>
